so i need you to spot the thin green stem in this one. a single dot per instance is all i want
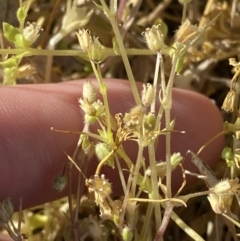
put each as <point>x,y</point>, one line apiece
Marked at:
<point>137,168</point>
<point>112,19</point>
<point>107,52</point>
<point>168,106</point>
<point>120,171</point>
<point>168,154</point>
<point>146,221</point>
<point>125,200</point>
<point>154,179</point>
<point>125,157</point>
<point>163,81</point>
<point>103,91</point>
<point>155,82</point>
<point>113,6</point>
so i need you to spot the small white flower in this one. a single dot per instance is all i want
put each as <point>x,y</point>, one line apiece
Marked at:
<point>31,33</point>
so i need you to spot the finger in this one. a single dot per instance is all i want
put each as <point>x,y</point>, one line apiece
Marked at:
<point>31,154</point>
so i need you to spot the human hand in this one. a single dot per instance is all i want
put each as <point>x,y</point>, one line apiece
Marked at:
<point>31,154</point>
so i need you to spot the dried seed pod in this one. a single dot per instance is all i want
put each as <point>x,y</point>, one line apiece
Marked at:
<point>229,101</point>
<point>186,33</point>
<point>220,203</point>
<point>101,187</point>
<point>134,118</point>
<point>221,195</point>
<point>154,38</point>
<point>226,186</point>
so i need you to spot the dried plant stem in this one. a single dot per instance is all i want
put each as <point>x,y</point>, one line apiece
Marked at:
<point>157,11</point>
<point>207,10</point>
<point>184,13</point>
<point>154,181</point>
<point>112,18</point>
<point>49,23</point>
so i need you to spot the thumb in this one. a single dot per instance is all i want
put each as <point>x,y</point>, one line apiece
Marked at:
<point>31,154</point>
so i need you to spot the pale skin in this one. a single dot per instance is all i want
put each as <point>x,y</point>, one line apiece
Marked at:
<point>31,155</point>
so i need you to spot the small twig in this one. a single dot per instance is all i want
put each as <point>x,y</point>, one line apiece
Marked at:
<point>184,181</point>
<point>165,221</point>
<point>207,10</point>
<point>49,23</point>
<point>157,11</point>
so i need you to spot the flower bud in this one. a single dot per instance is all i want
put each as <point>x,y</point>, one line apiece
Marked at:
<point>176,159</point>
<point>102,151</point>
<point>149,121</point>
<point>89,92</point>
<point>227,153</point>
<point>60,183</point>
<point>127,233</point>
<point>161,168</point>
<point>95,52</point>
<point>90,45</point>
<point>148,94</point>
<point>92,110</point>
<point>21,14</point>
